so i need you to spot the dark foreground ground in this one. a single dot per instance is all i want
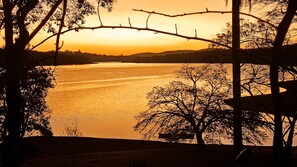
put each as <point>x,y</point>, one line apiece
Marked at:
<point>92,152</point>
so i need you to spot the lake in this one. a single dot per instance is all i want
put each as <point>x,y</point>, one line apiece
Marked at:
<point>104,98</point>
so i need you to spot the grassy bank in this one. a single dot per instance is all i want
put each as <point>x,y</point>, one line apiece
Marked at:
<point>93,152</point>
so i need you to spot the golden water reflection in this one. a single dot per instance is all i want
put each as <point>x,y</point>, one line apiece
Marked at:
<point>104,97</point>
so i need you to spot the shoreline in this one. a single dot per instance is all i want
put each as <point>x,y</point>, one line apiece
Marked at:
<point>93,152</point>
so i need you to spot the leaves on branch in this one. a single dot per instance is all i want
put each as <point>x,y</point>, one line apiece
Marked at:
<point>34,87</point>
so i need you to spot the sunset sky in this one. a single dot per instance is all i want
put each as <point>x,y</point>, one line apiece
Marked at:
<point>121,41</point>
<point>117,42</point>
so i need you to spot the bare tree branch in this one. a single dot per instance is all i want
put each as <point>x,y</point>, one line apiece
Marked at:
<point>59,31</point>
<point>204,12</point>
<point>147,20</point>
<point>135,28</point>
<point>98,13</point>
<point>129,21</point>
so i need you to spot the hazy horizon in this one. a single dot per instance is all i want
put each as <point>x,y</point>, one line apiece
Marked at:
<point>144,52</point>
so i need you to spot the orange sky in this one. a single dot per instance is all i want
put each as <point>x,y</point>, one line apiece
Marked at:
<point>125,42</point>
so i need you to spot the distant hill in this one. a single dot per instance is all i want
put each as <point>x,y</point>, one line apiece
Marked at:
<point>256,56</point>
<point>151,54</point>
<point>189,56</point>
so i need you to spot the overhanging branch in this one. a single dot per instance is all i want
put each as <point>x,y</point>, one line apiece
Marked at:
<point>204,12</point>
<point>138,29</point>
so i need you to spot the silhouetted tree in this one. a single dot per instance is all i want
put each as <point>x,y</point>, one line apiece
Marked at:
<point>282,29</point>
<point>236,4</point>
<point>259,35</point>
<point>195,104</point>
<point>236,76</point>
<point>282,14</point>
<point>36,114</point>
<point>17,19</point>
<point>72,129</point>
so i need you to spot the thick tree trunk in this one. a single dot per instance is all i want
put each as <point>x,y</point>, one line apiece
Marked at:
<point>236,77</point>
<point>278,131</point>
<point>200,141</point>
<point>14,53</point>
<point>278,108</point>
<point>11,141</point>
<point>288,148</point>
<point>14,117</point>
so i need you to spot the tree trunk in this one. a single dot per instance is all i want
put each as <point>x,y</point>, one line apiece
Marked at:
<point>236,77</point>
<point>282,30</point>
<point>278,131</point>
<point>11,141</point>
<point>14,116</point>
<point>288,148</point>
<point>200,141</point>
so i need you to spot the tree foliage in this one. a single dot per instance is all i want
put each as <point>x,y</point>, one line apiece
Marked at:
<point>27,15</point>
<point>255,78</point>
<point>281,15</point>
<point>253,34</point>
<point>21,21</point>
<point>36,114</point>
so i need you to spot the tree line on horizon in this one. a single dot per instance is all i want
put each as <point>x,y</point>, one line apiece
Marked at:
<point>211,55</point>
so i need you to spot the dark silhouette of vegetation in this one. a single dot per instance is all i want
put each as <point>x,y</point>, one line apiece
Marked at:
<point>175,137</point>
<point>283,21</point>
<point>280,158</point>
<point>54,15</point>
<point>261,35</point>
<point>72,129</point>
<point>195,104</point>
<point>51,16</point>
<point>65,58</point>
<point>36,114</point>
<point>261,55</point>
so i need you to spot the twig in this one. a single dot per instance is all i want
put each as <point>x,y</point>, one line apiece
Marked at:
<point>98,13</point>
<point>195,32</point>
<point>204,12</point>
<point>129,21</point>
<point>147,20</point>
<point>176,29</point>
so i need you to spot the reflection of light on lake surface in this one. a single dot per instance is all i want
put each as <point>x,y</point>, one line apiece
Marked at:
<point>105,97</point>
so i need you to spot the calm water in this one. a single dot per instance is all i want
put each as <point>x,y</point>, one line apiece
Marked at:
<point>104,98</point>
